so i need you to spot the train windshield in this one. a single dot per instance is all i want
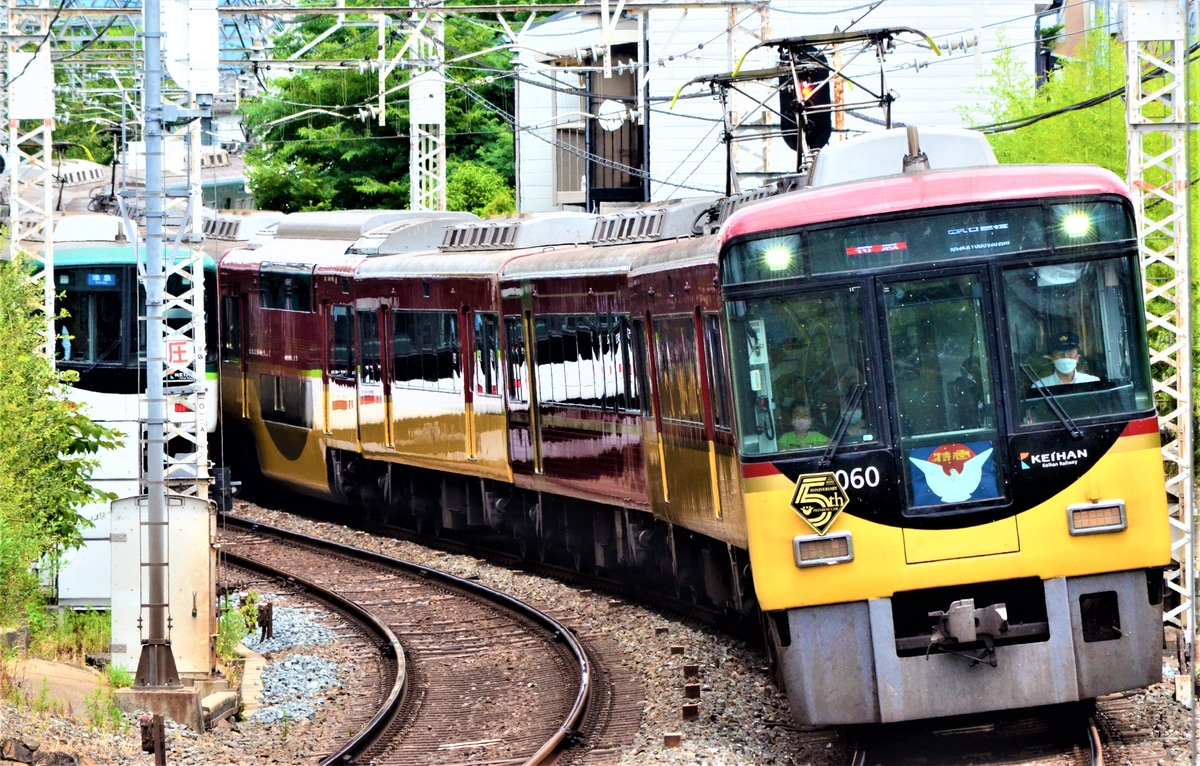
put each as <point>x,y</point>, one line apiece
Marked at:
<point>939,353</point>
<point>800,368</point>
<point>1075,336</point>
<point>94,300</point>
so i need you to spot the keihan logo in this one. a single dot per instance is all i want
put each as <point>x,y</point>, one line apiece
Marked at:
<point>1025,461</point>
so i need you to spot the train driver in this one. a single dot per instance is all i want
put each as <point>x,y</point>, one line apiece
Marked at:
<point>1064,350</point>
<point>802,436</point>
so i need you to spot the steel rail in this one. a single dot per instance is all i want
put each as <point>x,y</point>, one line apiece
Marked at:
<point>399,687</point>
<point>557,629</point>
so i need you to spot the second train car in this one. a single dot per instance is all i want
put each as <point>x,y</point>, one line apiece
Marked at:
<point>907,419</point>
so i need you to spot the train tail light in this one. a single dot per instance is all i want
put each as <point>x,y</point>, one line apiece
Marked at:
<point>1092,518</point>
<point>815,550</point>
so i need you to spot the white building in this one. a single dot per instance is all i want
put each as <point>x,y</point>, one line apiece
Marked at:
<point>594,94</point>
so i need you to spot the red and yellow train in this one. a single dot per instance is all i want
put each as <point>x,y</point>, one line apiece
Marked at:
<point>907,417</point>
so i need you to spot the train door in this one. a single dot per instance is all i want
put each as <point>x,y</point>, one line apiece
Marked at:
<point>726,465</point>
<point>374,420</point>
<point>951,449</point>
<point>234,378</point>
<point>524,432</point>
<point>466,341</point>
<point>688,469</point>
<point>485,406</point>
<point>341,401</point>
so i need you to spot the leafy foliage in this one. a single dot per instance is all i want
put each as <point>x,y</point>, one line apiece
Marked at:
<point>235,623</point>
<point>318,144</point>
<point>478,189</point>
<point>47,448</point>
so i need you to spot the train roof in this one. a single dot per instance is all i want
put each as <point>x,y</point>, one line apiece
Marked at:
<point>348,225</point>
<point>520,232</point>
<point>76,254</point>
<point>409,235</point>
<point>435,262</point>
<point>927,189</point>
<point>882,153</point>
<point>238,225</point>
<point>88,227</point>
<point>304,254</point>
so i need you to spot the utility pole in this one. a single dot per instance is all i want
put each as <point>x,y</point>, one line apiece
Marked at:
<point>29,108</point>
<point>156,668</point>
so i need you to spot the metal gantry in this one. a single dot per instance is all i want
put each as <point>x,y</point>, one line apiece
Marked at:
<point>29,112</point>
<point>427,115</point>
<point>1158,126</point>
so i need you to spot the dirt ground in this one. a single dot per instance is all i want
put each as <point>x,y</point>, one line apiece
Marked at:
<point>55,686</point>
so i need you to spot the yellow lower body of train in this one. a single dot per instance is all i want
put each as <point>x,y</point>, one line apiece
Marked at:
<point>854,619</point>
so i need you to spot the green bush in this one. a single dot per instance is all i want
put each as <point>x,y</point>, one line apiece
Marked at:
<point>235,623</point>
<point>119,676</point>
<point>47,448</point>
<point>67,634</point>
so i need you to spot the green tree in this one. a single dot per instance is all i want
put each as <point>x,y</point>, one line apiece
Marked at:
<point>47,448</point>
<point>317,143</point>
<point>1095,134</point>
<point>478,189</point>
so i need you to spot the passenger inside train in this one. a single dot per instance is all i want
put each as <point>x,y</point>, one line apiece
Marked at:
<point>802,436</point>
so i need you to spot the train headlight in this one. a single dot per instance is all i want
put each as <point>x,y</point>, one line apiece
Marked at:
<point>814,550</point>
<point>778,258</point>
<point>1092,518</point>
<point>1076,225</point>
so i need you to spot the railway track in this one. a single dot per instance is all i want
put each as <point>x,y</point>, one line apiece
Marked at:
<point>1053,736</point>
<point>370,648</point>
<point>481,678</point>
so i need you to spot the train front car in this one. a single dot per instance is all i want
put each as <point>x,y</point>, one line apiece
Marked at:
<point>950,455</point>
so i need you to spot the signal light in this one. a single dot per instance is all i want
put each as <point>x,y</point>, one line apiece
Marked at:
<point>805,101</point>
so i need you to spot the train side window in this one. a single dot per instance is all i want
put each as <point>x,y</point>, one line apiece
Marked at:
<point>371,369</point>
<point>341,342</point>
<point>487,354</point>
<point>629,398</point>
<point>517,370</point>
<point>285,290</point>
<point>716,370</point>
<point>641,367</point>
<point>425,350</point>
<point>551,377</point>
<point>231,330</point>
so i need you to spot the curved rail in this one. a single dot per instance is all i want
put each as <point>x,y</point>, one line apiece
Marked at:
<point>394,698</point>
<point>558,630</point>
<point>1095,749</point>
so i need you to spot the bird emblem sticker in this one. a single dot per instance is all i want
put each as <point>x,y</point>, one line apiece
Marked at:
<point>819,499</point>
<point>953,473</point>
